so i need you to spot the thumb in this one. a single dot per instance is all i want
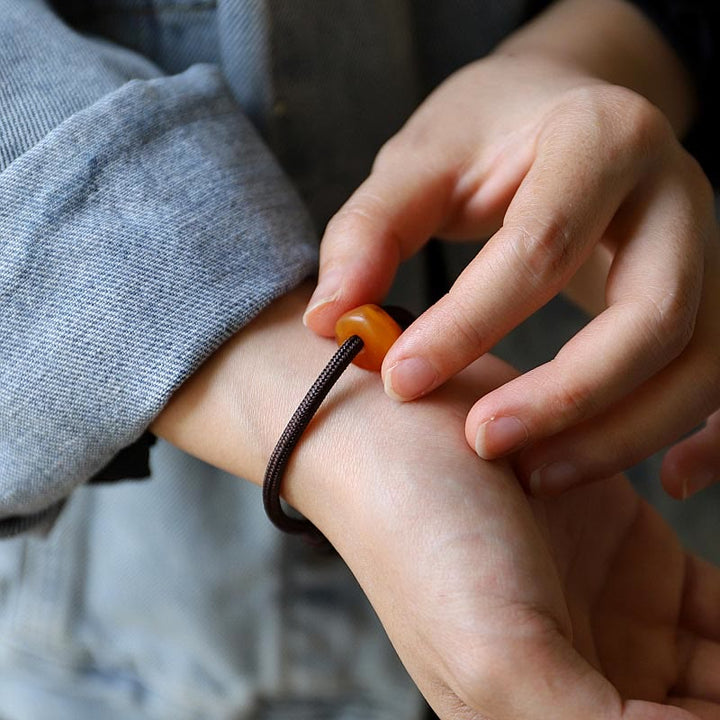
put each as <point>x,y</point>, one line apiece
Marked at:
<point>387,219</point>
<point>694,463</point>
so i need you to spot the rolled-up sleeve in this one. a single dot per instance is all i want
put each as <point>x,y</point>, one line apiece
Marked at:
<point>142,222</point>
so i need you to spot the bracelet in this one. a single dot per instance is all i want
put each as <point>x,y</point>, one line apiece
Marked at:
<point>364,335</point>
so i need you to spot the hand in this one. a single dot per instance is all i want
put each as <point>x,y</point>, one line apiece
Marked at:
<point>498,607</point>
<point>583,606</point>
<point>542,149</point>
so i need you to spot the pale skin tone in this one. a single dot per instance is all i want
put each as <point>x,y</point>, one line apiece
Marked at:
<point>501,607</point>
<point>561,147</point>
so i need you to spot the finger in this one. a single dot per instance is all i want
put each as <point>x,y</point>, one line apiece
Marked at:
<point>387,219</point>
<point>698,708</point>
<point>630,431</point>
<point>700,611</point>
<point>654,291</point>
<point>700,674</point>
<point>669,405</point>
<point>429,179</point>
<point>483,376</point>
<point>558,214</point>
<point>693,464</point>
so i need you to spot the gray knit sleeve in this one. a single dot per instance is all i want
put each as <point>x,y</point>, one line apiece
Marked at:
<point>142,222</point>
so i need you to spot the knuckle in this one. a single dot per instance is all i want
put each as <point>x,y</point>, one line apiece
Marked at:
<point>643,126</point>
<point>618,122</point>
<point>388,153</point>
<point>361,228</point>
<point>334,228</point>
<point>670,323</point>
<point>361,210</point>
<point>414,139</point>
<point>574,402</point>
<point>340,223</point>
<point>544,253</point>
<point>459,318</point>
<point>423,145</point>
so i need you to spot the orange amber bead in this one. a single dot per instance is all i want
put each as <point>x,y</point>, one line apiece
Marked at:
<point>377,330</point>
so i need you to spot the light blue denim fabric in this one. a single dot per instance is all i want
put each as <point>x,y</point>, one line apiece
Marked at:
<point>144,218</point>
<point>176,599</point>
<point>137,235</point>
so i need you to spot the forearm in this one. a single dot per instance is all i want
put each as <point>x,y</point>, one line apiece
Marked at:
<point>361,448</point>
<point>611,40</point>
<point>437,538</point>
<point>233,409</point>
<point>143,222</point>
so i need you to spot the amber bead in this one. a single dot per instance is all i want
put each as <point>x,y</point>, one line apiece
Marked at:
<point>377,330</point>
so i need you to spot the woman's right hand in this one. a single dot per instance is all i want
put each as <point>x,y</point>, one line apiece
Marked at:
<point>500,607</point>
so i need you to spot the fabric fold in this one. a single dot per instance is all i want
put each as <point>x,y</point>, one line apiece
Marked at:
<point>135,238</point>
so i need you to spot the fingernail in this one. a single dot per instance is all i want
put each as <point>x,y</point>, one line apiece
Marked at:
<point>698,481</point>
<point>552,479</point>
<point>409,379</point>
<point>499,436</point>
<point>325,293</point>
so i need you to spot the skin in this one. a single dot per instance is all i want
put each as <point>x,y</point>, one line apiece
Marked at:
<point>561,147</point>
<point>501,607</point>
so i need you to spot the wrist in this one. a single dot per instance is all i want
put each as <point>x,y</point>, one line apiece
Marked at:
<point>233,409</point>
<point>611,41</point>
<point>363,462</point>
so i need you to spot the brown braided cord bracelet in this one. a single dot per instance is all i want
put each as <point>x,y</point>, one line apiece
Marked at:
<point>365,320</point>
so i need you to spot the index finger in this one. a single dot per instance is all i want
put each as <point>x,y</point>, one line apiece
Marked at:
<point>560,211</point>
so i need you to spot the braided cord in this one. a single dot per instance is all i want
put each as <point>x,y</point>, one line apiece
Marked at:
<point>291,436</point>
